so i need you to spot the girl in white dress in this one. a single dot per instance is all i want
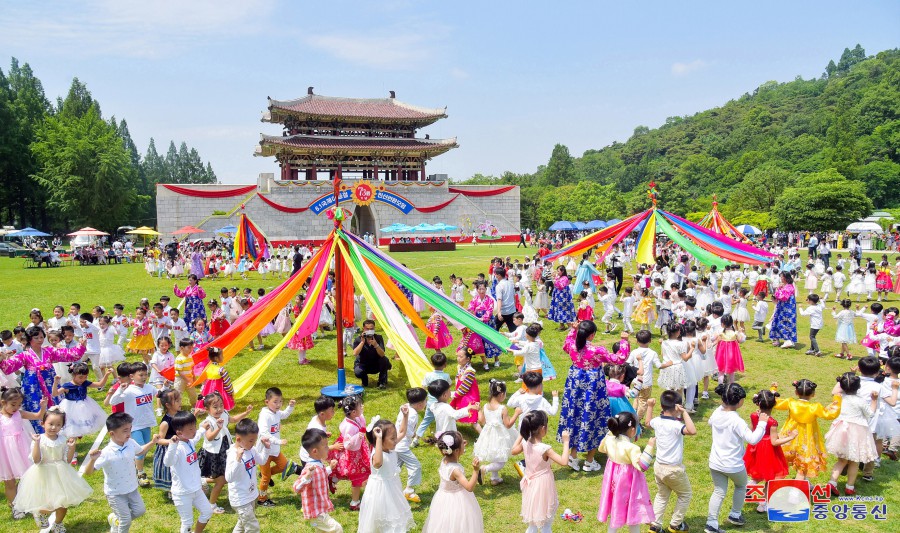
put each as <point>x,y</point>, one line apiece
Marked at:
<point>846,334</point>
<point>263,268</point>
<point>856,286</point>
<point>454,508</point>
<point>528,309</point>
<point>812,281</point>
<point>541,300</point>
<point>384,508</point>
<point>50,484</point>
<point>706,349</point>
<point>498,433</point>
<point>674,350</point>
<point>704,295</point>
<point>740,313</point>
<point>694,369</point>
<point>869,282</point>
<point>827,284</point>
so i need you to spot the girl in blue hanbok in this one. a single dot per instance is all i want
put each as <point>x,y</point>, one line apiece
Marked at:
<point>562,309</point>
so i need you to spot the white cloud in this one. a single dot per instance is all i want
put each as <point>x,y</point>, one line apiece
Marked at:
<point>401,52</point>
<point>459,73</point>
<point>131,29</point>
<point>683,69</point>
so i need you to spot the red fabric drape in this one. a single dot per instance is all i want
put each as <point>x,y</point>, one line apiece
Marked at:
<point>492,192</point>
<point>282,208</point>
<point>438,207</point>
<point>227,193</point>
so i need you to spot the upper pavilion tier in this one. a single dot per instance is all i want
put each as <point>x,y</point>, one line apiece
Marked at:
<point>372,147</point>
<point>332,109</point>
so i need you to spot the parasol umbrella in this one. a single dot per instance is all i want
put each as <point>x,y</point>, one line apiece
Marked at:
<point>396,227</point>
<point>612,221</point>
<point>579,225</point>
<point>747,229</point>
<point>27,232</point>
<point>230,229</point>
<point>440,226</point>
<point>188,230</point>
<point>143,230</point>
<point>595,224</point>
<point>424,227</point>
<point>562,225</point>
<point>91,232</point>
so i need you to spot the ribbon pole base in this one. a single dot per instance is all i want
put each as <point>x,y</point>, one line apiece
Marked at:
<point>342,389</point>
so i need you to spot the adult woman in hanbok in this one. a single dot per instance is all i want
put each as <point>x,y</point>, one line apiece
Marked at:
<point>784,321</point>
<point>482,306</point>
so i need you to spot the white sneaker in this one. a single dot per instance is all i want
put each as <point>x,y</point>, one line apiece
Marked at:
<point>787,344</point>
<point>42,520</point>
<point>705,395</point>
<point>496,363</point>
<point>573,464</point>
<point>592,466</point>
<point>113,522</point>
<point>487,366</point>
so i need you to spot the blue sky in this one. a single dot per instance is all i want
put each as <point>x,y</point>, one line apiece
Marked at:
<point>516,77</point>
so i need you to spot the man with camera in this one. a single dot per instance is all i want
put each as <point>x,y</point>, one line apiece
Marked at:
<point>368,348</point>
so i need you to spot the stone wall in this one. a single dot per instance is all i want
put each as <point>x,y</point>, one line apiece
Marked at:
<point>175,211</point>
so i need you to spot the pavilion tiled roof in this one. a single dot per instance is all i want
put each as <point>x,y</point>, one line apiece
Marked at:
<point>271,145</point>
<point>320,107</point>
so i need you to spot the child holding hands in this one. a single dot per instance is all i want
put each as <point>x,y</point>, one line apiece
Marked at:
<point>240,474</point>
<point>383,507</point>
<point>625,498</point>
<point>539,497</point>
<point>670,428</point>
<point>454,508</point>
<point>313,485</point>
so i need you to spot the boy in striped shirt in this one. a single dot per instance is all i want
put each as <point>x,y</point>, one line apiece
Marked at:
<point>312,486</point>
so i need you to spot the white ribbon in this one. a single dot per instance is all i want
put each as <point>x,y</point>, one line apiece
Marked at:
<point>371,425</point>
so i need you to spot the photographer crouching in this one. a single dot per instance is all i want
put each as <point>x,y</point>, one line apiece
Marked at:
<point>368,348</point>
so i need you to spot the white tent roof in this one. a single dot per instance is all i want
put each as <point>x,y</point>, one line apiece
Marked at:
<point>859,227</point>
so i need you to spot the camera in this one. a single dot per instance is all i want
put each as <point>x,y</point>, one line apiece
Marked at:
<point>369,333</point>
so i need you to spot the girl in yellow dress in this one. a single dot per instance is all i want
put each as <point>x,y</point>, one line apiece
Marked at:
<point>806,453</point>
<point>642,312</point>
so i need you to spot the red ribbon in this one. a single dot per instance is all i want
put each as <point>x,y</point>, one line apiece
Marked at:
<point>227,193</point>
<point>282,208</point>
<point>438,207</point>
<point>492,192</point>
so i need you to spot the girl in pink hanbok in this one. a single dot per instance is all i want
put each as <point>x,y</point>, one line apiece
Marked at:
<point>438,327</point>
<point>482,306</point>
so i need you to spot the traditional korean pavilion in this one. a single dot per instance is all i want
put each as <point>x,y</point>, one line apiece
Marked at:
<point>368,138</point>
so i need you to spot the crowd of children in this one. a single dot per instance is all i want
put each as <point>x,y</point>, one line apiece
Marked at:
<point>608,405</point>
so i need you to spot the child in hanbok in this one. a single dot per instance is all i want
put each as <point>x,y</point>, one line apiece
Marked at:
<point>643,312</point>
<point>384,508</point>
<point>50,484</point>
<point>728,350</point>
<point>765,460</point>
<point>562,310</point>
<point>353,459</point>
<point>807,452</point>
<point>883,282</point>
<point>466,392</point>
<point>283,321</point>
<point>454,508</point>
<point>301,343</point>
<point>498,433</point>
<point>193,296</point>
<point>619,394</point>
<point>625,497</point>
<point>540,500</point>
<point>141,341</point>
<point>585,308</point>
<point>438,327</point>
<point>83,415</point>
<point>812,281</point>
<point>218,324</point>
<point>217,380</point>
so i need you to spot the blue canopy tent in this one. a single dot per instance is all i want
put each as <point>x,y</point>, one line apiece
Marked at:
<point>397,227</point>
<point>424,227</point>
<point>612,221</point>
<point>27,232</point>
<point>562,225</point>
<point>440,226</point>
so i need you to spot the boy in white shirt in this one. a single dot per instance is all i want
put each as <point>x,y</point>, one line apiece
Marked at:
<point>439,363</point>
<point>627,309</point>
<point>160,326</point>
<point>608,299</point>
<point>531,397</point>
<point>120,324</point>
<point>839,279</point>
<point>529,351</point>
<point>184,463</point>
<point>270,418</point>
<point>760,314</point>
<point>814,312</point>
<point>407,422</point>
<point>120,482</point>
<point>74,317</point>
<point>138,399</point>
<point>445,416</point>
<point>324,407</point>
<point>240,474</point>
<point>669,429</point>
<point>91,334</point>
<point>644,358</point>
<point>164,300</point>
<point>179,328</point>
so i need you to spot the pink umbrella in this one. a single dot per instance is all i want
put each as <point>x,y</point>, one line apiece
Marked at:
<point>187,230</point>
<point>88,231</point>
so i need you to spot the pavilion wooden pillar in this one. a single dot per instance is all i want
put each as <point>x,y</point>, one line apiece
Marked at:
<point>422,177</point>
<point>375,177</point>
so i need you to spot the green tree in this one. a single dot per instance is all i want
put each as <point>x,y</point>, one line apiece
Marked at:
<point>850,58</point>
<point>83,165</point>
<point>882,179</point>
<point>761,187</point>
<point>559,169</point>
<point>822,201</point>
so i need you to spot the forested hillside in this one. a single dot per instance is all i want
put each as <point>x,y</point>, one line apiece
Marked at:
<point>64,164</point>
<point>806,153</point>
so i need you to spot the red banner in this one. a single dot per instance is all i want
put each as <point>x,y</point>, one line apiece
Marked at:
<point>438,207</point>
<point>227,193</point>
<point>282,208</point>
<point>492,192</point>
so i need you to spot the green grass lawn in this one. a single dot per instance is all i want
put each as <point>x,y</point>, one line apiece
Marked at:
<point>106,285</point>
